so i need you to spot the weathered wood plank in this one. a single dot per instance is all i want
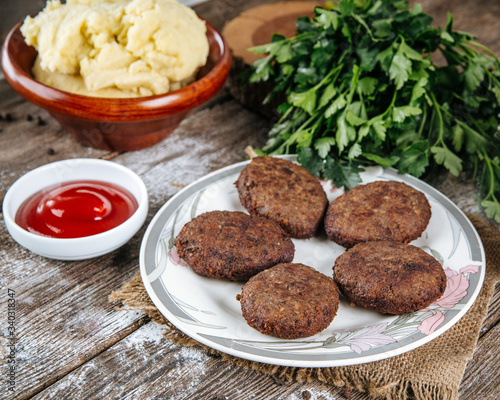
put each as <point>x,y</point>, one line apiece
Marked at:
<point>152,367</point>
<point>62,313</point>
<point>480,380</point>
<point>493,317</point>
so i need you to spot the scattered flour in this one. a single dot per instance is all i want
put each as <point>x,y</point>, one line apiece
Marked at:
<point>149,333</point>
<point>193,354</point>
<point>316,394</point>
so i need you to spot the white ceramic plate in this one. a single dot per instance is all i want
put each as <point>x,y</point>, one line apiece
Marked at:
<point>207,310</point>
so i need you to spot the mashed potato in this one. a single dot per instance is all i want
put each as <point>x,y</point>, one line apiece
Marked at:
<point>117,48</point>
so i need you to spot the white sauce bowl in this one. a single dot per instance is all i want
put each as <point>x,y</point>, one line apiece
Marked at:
<point>71,170</point>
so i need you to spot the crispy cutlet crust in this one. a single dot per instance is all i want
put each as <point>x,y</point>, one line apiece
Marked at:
<point>289,301</point>
<point>381,210</point>
<point>285,192</point>
<point>232,245</point>
<point>389,277</point>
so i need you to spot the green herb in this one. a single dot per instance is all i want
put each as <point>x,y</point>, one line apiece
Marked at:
<point>361,87</point>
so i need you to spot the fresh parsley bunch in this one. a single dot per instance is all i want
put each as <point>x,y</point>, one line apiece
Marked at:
<point>361,86</point>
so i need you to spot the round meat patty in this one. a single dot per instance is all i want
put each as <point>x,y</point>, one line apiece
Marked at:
<point>232,245</point>
<point>389,277</point>
<point>285,192</point>
<point>381,210</point>
<point>289,301</point>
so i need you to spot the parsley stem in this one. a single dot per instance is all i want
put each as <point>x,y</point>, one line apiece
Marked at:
<point>478,137</point>
<point>389,108</point>
<point>285,115</point>
<point>482,47</point>
<point>492,77</point>
<point>364,25</point>
<point>440,120</point>
<point>424,119</point>
<point>336,71</point>
<point>491,175</point>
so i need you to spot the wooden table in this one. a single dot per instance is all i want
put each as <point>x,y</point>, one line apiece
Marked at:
<point>72,343</point>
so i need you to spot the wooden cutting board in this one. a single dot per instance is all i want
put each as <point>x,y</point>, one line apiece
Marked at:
<point>256,26</point>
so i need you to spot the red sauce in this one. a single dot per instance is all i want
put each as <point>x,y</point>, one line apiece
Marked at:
<point>76,209</point>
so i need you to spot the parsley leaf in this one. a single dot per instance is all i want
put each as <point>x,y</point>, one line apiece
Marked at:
<point>451,161</point>
<point>400,69</point>
<point>305,100</point>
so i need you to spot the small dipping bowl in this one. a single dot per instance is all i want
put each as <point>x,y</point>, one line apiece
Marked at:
<point>74,170</point>
<point>117,124</point>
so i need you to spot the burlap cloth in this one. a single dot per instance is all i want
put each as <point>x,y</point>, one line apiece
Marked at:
<point>432,371</point>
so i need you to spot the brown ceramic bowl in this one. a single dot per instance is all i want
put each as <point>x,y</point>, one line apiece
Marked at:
<point>115,124</point>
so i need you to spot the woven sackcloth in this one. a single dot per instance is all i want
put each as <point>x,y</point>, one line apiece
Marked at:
<point>432,371</point>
